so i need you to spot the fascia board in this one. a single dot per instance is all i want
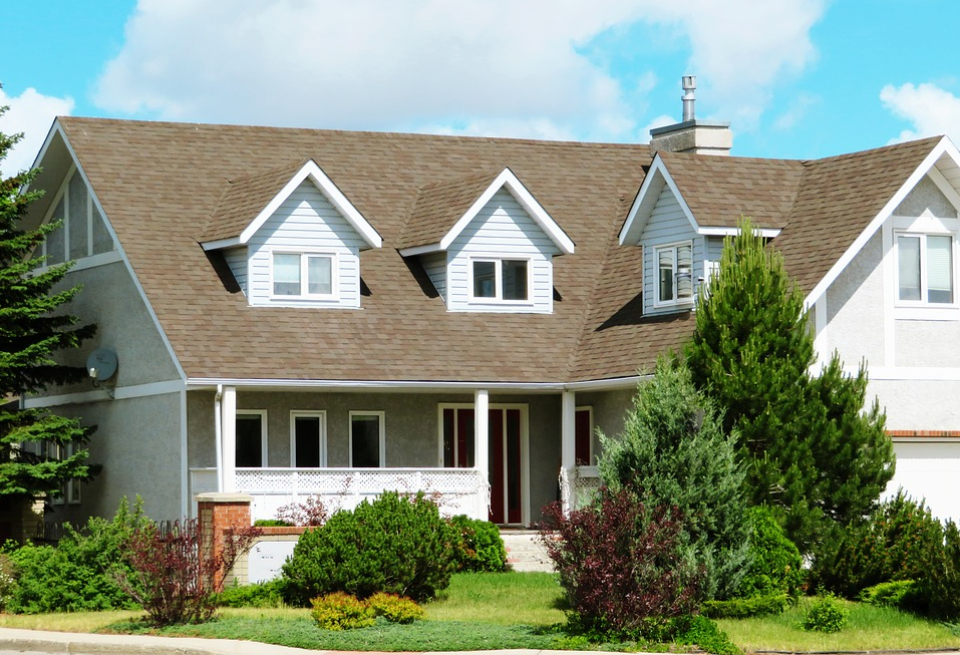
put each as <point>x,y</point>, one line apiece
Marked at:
<point>221,243</point>
<point>419,385</point>
<point>332,193</point>
<point>55,128</point>
<point>646,200</point>
<point>766,233</point>
<point>419,250</point>
<point>944,146</point>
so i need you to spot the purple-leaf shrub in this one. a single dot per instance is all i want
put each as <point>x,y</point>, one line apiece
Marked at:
<point>311,513</point>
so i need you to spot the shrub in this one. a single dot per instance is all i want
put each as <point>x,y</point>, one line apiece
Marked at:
<point>826,614</point>
<point>260,594</point>
<point>673,440</point>
<point>7,581</point>
<point>621,564</point>
<point>172,579</point>
<point>271,523</point>
<point>742,608</point>
<point>395,544</point>
<point>395,609</point>
<point>702,632</point>
<point>78,574</point>
<point>311,513</point>
<point>340,611</point>
<point>482,549</point>
<point>776,565</point>
<point>938,587</point>
<point>897,594</point>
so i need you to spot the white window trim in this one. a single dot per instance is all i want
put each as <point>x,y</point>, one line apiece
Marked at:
<point>334,294</point>
<point>676,302</point>
<point>498,277</point>
<point>922,235</point>
<point>383,434</point>
<point>262,413</point>
<point>303,413</point>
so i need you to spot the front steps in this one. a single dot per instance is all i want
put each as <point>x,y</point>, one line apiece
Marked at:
<point>524,550</point>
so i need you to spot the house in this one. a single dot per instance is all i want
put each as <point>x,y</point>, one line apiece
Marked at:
<point>298,312</point>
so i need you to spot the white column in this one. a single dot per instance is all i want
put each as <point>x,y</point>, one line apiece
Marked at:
<point>568,448</point>
<point>481,440</point>
<point>228,425</point>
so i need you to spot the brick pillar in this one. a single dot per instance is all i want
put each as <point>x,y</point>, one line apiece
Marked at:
<point>217,513</point>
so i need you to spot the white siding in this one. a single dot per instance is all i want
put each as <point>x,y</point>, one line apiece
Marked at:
<point>502,229</point>
<point>237,261</point>
<point>667,224</point>
<point>306,222</point>
<point>435,264</point>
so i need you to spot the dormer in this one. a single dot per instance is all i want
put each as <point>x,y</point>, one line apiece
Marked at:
<point>486,244</point>
<point>291,238</point>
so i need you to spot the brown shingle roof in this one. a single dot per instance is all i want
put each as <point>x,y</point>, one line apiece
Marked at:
<point>440,205</point>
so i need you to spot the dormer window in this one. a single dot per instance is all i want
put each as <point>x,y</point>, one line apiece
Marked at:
<point>304,275</point>
<point>500,280</point>
<point>675,278</point>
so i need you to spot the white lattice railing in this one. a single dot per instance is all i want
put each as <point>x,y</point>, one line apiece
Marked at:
<point>457,491</point>
<point>586,482</point>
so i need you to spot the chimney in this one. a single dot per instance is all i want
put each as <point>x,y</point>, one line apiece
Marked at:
<point>692,135</point>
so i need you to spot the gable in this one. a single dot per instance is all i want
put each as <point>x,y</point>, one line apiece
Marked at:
<point>927,197</point>
<point>83,236</point>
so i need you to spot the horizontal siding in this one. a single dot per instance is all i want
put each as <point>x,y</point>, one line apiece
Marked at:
<point>435,264</point>
<point>237,261</point>
<point>306,222</point>
<point>502,229</point>
<point>667,224</point>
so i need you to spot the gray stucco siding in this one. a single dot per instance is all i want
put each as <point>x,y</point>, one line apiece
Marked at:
<point>855,308</point>
<point>610,409</point>
<point>667,225</point>
<point>926,196</point>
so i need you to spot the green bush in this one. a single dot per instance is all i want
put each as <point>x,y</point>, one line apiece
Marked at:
<point>938,587</point>
<point>395,609</point>
<point>776,566</point>
<point>7,580</point>
<point>742,608</point>
<point>827,614</point>
<point>702,632</point>
<point>271,523</point>
<point>79,573</point>
<point>900,594</point>
<point>261,594</point>
<point>481,549</point>
<point>340,611</point>
<point>395,544</point>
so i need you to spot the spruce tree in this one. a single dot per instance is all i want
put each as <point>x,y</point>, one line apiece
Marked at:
<point>35,445</point>
<point>812,454</point>
<point>674,452</point>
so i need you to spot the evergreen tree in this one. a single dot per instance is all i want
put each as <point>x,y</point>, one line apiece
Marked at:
<point>34,444</point>
<point>812,454</point>
<point>674,452</point>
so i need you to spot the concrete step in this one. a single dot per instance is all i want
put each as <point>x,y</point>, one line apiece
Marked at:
<point>525,552</point>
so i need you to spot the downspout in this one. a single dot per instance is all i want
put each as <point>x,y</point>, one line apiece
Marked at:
<point>218,429</point>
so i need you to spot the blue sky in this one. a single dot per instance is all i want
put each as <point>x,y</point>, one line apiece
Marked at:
<point>795,78</point>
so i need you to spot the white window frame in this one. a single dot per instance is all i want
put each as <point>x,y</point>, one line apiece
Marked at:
<point>303,413</point>
<point>922,235</point>
<point>262,413</point>
<point>676,301</point>
<point>498,298</point>
<point>304,283</point>
<point>383,434</point>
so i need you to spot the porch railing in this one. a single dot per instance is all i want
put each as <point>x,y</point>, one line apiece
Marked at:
<point>586,482</point>
<point>456,491</point>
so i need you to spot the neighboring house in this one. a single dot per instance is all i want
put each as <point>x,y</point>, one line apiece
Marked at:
<point>307,311</point>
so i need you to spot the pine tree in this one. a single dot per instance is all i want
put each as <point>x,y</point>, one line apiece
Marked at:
<point>812,454</point>
<point>674,453</point>
<point>35,445</point>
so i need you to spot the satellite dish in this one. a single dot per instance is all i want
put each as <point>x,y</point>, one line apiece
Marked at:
<point>102,364</point>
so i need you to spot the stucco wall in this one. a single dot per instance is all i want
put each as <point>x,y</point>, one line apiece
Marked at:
<point>918,404</point>
<point>609,412</point>
<point>926,196</point>
<point>928,470</point>
<point>927,343</point>
<point>855,310</point>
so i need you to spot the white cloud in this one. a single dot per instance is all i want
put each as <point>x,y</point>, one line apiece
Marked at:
<point>31,113</point>
<point>930,109</point>
<point>643,136</point>
<point>796,111</point>
<point>508,67</point>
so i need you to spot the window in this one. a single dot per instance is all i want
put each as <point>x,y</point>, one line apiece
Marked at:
<point>83,232</point>
<point>367,440</point>
<point>925,268</point>
<point>675,274</point>
<point>307,440</point>
<point>251,444</point>
<point>70,491</point>
<point>303,274</point>
<point>500,279</point>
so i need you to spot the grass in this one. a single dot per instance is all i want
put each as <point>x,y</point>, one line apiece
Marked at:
<point>500,598</point>
<point>67,621</point>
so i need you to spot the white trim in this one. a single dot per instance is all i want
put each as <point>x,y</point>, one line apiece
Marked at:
<point>305,256</point>
<point>184,456</point>
<point>945,188</point>
<point>308,413</point>
<point>119,393</point>
<point>943,147</point>
<point>677,301</point>
<point>497,298</point>
<point>126,260</point>
<point>651,188</point>
<point>383,434</point>
<point>765,232</point>
<point>918,308</point>
<point>534,209</point>
<point>895,373</point>
<point>820,343</point>
<point>264,434</point>
<point>93,261</point>
<point>889,297</point>
<point>325,185</point>
<point>608,384</point>
<point>221,244</point>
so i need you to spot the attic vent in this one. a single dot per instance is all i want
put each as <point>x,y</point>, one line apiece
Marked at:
<point>692,135</point>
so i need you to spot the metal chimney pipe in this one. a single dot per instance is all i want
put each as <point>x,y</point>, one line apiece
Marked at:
<point>689,84</point>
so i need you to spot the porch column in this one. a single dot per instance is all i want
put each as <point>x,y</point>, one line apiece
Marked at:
<point>228,427</point>
<point>568,449</point>
<point>481,440</point>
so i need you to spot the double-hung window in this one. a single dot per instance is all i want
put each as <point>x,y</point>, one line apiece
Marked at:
<point>925,269</point>
<point>499,279</point>
<point>307,275</point>
<point>674,273</point>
